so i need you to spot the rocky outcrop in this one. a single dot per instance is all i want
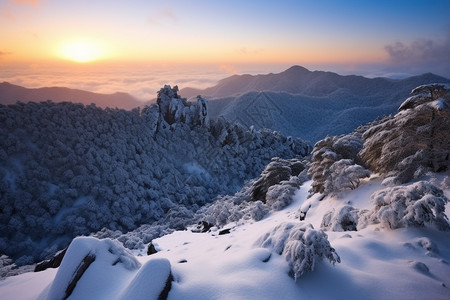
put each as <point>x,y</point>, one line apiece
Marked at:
<point>174,109</point>
<point>54,262</point>
<point>416,139</point>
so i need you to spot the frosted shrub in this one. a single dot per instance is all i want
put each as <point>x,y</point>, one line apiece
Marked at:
<point>334,164</point>
<point>344,174</point>
<point>279,196</point>
<point>343,219</point>
<point>415,205</point>
<point>278,171</point>
<point>301,245</point>
<point>226,210</point>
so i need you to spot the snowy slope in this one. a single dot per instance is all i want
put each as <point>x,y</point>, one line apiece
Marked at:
<point>372,224</point>
<point>375,263</point>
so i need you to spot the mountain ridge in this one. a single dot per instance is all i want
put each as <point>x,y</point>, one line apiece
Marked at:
<point>11,93</point>
<point>294,80</point>
<point>309,104</point>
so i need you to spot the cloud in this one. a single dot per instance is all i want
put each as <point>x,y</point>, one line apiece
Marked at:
<point>245,51</point>
<point>5,53</point>
<point>422,55</point>
<point>229,69</point>
<point>27,2</point>
<point>136,82</point>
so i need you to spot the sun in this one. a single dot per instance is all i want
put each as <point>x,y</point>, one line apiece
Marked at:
<point>81,51</point>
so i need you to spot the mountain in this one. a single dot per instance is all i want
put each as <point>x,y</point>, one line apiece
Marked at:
<point>363,217</point>
<point>305,104</point>
<point>299,80</point>
<point>10,94</point>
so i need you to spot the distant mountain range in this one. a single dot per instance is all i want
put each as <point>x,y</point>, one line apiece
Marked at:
<point>307,104</point>
<point>10,94</point>
<point>296,102</point>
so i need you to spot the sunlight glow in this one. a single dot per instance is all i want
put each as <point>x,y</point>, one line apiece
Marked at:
<point>81,51</point>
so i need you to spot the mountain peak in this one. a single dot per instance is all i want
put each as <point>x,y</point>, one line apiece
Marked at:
<point>296,69</point>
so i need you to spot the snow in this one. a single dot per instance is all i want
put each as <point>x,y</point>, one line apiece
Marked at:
<point>376,263</point>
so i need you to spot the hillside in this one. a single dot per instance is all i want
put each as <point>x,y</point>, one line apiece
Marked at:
<point>306,104</point>
<point>364,217</point>
<point>10,94</point>
<point>67,169</point>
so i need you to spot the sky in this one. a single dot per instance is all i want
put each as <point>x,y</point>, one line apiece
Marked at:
<point>371,38</point>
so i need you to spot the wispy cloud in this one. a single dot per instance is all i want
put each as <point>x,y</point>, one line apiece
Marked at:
<point>422,54</point>
<point>5,53</point>
<point>161,16</point>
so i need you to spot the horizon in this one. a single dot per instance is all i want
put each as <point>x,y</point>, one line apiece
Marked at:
<point>143,82</point>
<point>109,47</point>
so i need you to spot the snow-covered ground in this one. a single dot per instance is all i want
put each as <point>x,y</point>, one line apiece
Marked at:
<point>376,263</point>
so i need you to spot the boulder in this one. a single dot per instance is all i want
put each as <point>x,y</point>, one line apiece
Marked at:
<point>416,138</point>
<point>54,262</point>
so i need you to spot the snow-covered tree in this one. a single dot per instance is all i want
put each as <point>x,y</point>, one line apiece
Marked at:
<point>342,219</point>
<point>334,164</point>
<point>68,169</point>
<point>418,204</point>
<point>301,245</point>
<point>344,174</point>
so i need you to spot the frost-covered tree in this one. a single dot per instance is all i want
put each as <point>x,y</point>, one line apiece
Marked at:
<point>278,170</point>
<point>344,174</point>
<point>342,219</point>
<point>301,245</point>
<point>418,204</point>
<point>335,163</point>
<point>68,169</point>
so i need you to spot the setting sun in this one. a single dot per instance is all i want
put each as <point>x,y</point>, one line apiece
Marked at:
<point>81,51</point>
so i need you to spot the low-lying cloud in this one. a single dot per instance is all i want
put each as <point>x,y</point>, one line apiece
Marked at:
<point>422,55</point>
<point>141,84</point>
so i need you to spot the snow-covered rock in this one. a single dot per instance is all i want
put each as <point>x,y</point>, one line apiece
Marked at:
<point>85,259</point>
<point>175,109</point>
<point>416,138</point>
<point>152,281</point>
